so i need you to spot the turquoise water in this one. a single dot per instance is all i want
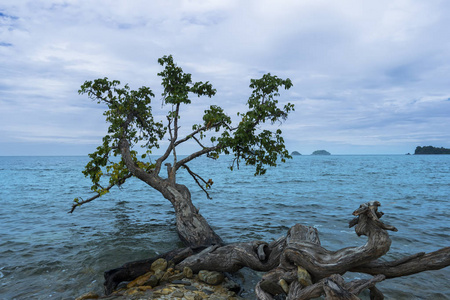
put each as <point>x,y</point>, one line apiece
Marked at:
<point>46,253</point>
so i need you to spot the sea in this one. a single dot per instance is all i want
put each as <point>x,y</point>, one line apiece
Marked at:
<point>48,253</point>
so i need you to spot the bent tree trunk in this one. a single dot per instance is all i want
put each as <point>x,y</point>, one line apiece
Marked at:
<point>297,265</point>
<point>193,230</point>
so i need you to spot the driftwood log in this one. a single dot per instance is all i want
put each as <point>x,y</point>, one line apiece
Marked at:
<point>297,266</point>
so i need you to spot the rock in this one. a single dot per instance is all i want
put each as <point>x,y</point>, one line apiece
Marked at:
<point>164,291</point>
<point>219,297</point>
<point>211,277</point>
<point>174,277</point>
<point>207,292</point>
<point>152,281</point>
<point>178,294</point>
<point>182,282</point>
<point>159,265</point>
<point>304,278</point>
<point>166,275</point>
<point>90,295</point>
<point>284,285</point>
<point>132,291</point>
<point>193,297</point>
<point>187,272</point>
<point>231,286</point>
<point>141,280</point>
<point>159,274</point>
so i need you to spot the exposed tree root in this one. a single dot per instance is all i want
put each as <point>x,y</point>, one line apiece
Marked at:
<point>298,266</point>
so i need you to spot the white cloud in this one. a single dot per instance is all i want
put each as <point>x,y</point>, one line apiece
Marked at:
<point>364,72</point>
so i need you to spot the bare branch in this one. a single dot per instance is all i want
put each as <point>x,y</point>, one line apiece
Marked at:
<point>196,177</point>
<point>74,206</point>
<point>198,142</point>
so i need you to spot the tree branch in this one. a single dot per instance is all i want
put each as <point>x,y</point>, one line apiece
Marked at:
<point>166,154</point>
<point>189,136</point>
<point>74,206</point>
<point>195,176</point>
<point>407,266</point>
<point>151,179</point>
<point>195,155</point>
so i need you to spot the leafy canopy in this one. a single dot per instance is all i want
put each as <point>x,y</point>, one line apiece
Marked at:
<point>131,123</point>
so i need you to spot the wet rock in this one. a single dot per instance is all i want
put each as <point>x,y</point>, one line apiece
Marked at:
<point>211,277</point>
<point>164,291</point>
<point>174,277</point>
<point>178,294</point>
<point>304,278</point>
<point>191,288</point>
<point>193,297</point>
<point>141,280</point>
<point>132,291</point>
<point>90,295</point>
<point>231,285</point>
<point>284,285</point>
<point>159,274</point>
<point>208,292</point>
<point>182,282</point>
<point>187,272</point>
<point>159,265</point>
<point>152,281</point>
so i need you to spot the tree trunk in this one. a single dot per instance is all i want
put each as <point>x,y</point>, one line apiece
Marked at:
<point>193,230</point>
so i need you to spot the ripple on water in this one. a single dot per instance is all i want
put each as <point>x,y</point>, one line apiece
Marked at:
<point>50,252</point>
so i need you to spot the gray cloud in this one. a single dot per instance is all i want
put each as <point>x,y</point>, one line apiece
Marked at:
<point>369,77</point>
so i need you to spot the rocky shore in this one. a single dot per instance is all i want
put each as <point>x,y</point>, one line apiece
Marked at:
<point>164,282</point>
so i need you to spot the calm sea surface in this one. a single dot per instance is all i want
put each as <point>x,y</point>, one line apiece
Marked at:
<point>46,253</point>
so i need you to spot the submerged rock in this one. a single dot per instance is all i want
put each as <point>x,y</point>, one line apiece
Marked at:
<point>90,295</point>
<point>211,277</point>
<point>206,285</point>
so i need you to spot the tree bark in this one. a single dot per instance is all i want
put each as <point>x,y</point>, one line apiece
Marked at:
<point>413,264</point>
<point>193,229</point>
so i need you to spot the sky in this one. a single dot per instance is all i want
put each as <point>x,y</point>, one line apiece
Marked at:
<point>370,77</point>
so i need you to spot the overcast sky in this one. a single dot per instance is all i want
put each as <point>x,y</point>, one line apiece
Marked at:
<point>370,77</point>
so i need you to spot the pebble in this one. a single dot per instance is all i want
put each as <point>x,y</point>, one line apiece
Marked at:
<point>178,294</point>
<point>181,287</point>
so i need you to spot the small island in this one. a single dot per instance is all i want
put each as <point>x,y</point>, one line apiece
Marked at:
<point>321,152</point>
<point>295,153</point>
<point>431,150</point>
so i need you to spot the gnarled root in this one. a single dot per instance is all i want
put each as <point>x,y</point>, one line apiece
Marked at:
<point>297,265</point>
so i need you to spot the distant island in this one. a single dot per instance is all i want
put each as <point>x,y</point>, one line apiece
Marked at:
<point>431,150</point>
<point>321,152</point>
<point>295,153</point>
